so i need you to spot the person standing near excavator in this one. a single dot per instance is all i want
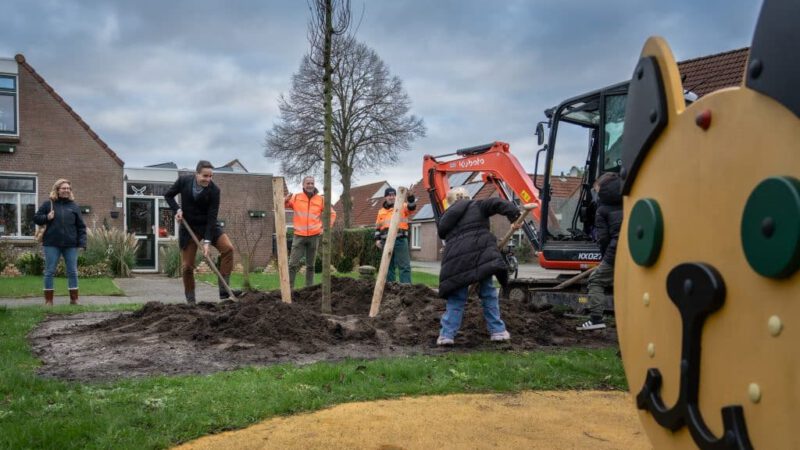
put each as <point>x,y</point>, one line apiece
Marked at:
<point>401,258</point>
<point>307,219</point>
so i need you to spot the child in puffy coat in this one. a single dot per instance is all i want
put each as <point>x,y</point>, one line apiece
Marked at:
<point>608,221</point>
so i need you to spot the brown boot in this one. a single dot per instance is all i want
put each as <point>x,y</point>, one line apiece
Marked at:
<point>73,296</point>
<point>48,297</point>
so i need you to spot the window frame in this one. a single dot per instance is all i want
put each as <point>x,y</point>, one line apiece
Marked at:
<point>14,94</point>
<point>35,193</point>
<point>416,236</point>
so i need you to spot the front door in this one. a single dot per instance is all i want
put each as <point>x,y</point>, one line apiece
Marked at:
<point>141,223</point>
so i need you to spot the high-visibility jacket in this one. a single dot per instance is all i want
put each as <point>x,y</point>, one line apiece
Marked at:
<point>385,218</point>
<point>308,213</point>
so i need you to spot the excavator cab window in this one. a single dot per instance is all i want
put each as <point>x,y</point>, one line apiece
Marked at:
<point>613,122</point>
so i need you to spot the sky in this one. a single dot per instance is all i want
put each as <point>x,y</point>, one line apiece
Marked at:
<point>186,80</point>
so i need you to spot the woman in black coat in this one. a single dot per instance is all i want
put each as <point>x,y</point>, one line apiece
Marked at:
<point>471,256</point>
<point>65,233</point>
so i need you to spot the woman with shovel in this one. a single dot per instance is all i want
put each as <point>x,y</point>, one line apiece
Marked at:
<point>199,207</point>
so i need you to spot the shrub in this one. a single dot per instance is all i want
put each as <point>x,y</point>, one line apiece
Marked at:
<point>30,263</point>
<point>113,247</point>
<point>344,264</point>
<point>85,271</point>
<point>6,254</point>
<point>171,258</point>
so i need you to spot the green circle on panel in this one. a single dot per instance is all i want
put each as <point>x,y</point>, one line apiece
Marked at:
<point>645,232</point>
<point>771,227</point>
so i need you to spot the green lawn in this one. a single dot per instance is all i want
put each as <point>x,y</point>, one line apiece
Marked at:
<point>162,411</point>
<point>270,281</point>
<point>31,286</point>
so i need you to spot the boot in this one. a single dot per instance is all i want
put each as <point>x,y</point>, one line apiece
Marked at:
<point>190,298</point>
<point>223,293</point>
<point>73,296</point>
<point>48,297</point>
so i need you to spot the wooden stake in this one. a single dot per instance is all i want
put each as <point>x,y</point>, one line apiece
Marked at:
<point>208,259</point>
<point>280,234</point>
<point>388,251</point>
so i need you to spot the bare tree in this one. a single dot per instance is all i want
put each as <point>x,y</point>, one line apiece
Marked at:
<point>371,119</point>
<point>247,234</point>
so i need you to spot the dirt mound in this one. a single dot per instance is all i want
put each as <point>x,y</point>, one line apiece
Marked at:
<point>260,329</point>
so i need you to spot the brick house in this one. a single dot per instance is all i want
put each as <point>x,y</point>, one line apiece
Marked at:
<point>42,139</point>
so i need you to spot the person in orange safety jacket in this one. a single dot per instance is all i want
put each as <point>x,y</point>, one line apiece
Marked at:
<point>401,258</point>
<point>307,206</point>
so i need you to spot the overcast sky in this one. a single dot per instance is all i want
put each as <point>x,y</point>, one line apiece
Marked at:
<point>199,79</point>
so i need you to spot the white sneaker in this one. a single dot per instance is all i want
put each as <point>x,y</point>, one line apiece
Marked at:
<point>441,340</point>
<point>500,336</point>
<point>589,325</point>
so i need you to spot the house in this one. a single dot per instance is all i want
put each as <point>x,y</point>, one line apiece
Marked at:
<point>366,201</point>
<point>43,139</point>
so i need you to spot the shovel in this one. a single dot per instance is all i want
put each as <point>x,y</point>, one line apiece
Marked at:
<point>208,260</point>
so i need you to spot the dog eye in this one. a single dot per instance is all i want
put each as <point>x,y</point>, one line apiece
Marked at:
<point>645,232</point>
<point>771,227</point>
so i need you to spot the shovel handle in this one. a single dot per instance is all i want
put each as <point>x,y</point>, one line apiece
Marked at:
<point>526,209</point>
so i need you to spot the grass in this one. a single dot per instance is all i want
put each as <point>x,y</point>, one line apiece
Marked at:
<point>270,281</point>
<point>32,285</point>
<point>159,412</point>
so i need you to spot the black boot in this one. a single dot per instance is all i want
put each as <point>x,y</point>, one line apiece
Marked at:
<point>190,298</point>
<point>223,293</point>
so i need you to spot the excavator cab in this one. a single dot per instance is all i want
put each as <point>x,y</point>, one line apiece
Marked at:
<point>585,136</point>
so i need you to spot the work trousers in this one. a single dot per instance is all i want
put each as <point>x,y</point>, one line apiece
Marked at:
<point>188,254</point>
<point>303,247</point>
<point>601,279</point>
<point>401,261</point>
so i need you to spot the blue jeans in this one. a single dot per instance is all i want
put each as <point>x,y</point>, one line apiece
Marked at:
<point>51,257</point>
<point>454,313</point>
<point>401,261</point>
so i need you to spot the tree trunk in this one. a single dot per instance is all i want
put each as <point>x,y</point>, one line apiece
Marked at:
<point>347,201</point>
<point>326,215</point>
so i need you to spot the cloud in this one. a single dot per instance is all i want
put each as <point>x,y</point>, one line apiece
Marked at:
<point>191,79</point>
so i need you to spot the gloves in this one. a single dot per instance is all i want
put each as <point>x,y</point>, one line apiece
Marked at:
<point>411,198</point>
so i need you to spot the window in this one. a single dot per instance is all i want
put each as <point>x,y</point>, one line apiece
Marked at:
<point>416,239</point>
<point>615,122</point>
<point>17,205</point>
<point>8,105</point>
<point>166,220</point>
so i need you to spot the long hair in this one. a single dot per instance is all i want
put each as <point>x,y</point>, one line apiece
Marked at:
<point>56,185</point>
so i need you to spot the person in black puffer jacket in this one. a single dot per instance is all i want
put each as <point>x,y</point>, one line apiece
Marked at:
<point>65,233</point>
<point>471,256</point>
<point>608,221</point>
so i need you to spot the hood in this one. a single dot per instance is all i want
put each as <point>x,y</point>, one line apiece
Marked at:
<point>611,192</point>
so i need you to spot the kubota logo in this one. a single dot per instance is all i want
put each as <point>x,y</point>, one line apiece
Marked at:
<point>471,163</point>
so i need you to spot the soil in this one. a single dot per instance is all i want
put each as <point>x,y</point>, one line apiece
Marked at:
<point>170,339</point>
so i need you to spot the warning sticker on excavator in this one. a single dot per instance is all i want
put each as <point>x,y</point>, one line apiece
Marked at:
<point>525,196</point>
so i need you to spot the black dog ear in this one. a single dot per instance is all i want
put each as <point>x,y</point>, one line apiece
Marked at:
<point>655,94</point>
<point>645,117</point>
<point>772,68</point>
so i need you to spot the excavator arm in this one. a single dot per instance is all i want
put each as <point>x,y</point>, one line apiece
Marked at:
<point>497,165</point>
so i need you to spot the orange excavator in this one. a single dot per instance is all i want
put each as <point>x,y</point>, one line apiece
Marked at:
<point>560,231</point>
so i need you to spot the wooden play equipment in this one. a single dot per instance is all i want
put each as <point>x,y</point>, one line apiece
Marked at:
<point>707,287</point>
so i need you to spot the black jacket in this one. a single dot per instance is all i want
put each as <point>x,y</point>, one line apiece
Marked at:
<point>67,229</point>
<point>200,213</point>
<point>609,218</point>
<point>470,252</point>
